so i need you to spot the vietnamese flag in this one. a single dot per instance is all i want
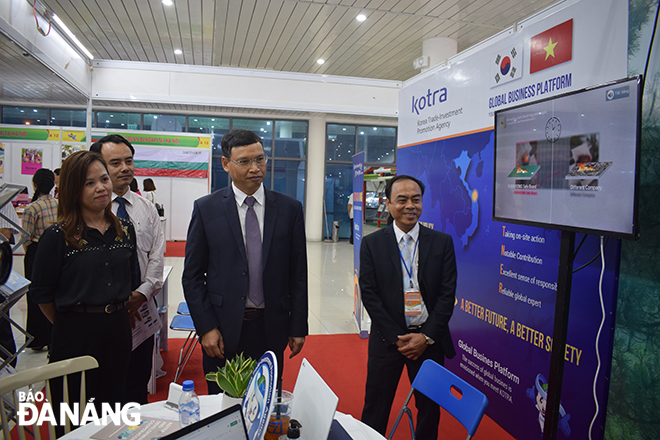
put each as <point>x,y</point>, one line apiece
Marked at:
<point>552,47</point>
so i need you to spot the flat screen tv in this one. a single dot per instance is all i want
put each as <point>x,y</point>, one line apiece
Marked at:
<point>571,162</point>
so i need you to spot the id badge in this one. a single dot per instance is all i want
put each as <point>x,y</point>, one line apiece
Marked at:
<point>413,303</point>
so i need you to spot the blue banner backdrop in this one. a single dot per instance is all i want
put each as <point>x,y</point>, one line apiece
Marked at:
<point>358,217</point>
<point>507,278</point>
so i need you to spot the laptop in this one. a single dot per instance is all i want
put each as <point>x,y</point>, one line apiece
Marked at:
<point>225,425</point>
<point>314,404</point>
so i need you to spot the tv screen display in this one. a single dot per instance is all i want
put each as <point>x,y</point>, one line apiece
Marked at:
<point>572,161</point>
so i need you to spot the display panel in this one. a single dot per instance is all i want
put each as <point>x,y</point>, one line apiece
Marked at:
<point>571,162</point>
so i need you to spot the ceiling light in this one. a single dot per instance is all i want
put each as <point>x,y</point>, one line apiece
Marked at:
<point>320,61</point>
<point>177,52</point>
<point>361,17</point>
<point>73,37</point>
<point>168,2</point>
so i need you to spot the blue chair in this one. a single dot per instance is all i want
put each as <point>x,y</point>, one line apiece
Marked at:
<point>442,386</point>
<point>184,323</point>
<point>183,308</point>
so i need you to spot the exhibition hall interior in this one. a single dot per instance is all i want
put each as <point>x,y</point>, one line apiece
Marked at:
<point>530,129</point>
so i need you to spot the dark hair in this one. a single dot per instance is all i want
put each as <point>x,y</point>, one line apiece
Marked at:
<point>149,185</point>
<point>56,171</point>
<point>134,185</point>
<point>44,179</point>
<point>388,187</point>
<point>69,214</point>
<point>115,139</point>
<point>238,138</point>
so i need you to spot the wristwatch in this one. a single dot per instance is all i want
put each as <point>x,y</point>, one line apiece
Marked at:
<point>429,341</point>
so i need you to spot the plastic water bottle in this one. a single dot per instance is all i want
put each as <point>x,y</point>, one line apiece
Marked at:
<point>188,404</point>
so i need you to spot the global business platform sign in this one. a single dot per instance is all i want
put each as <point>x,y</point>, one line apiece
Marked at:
<point>503,319</point>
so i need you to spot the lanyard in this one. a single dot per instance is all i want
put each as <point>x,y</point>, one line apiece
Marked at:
<point>412,261</point>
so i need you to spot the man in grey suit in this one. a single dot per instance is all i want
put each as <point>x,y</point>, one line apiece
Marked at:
<point>245,273</point>
<point>408,285</point>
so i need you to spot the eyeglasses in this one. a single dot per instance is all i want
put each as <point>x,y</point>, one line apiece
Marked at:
<point>247,163</point>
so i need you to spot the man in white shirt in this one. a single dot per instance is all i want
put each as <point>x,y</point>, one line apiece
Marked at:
<point>118,155</point>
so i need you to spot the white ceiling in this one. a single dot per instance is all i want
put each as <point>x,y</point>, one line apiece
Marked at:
<point>280,35</point>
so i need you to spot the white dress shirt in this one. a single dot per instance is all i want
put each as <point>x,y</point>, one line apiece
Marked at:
<point>414,233</point>
<point>150,241</point>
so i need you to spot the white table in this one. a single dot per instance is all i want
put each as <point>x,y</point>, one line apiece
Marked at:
<point>213,404</point>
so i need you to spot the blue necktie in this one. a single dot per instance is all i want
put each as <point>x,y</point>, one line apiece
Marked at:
<point>121,210</point>
<point>121,213</point>
<point>408,258</point>
<point>253,250</point>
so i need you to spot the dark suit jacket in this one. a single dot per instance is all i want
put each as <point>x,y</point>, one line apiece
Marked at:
<point>381,286</point>
<point>215,275</point>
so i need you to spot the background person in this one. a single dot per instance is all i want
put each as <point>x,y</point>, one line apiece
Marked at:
<point>246,294</point>
<point>56,171</point>
<point>8,230</point>
<point>84,272</point>
<point>118,153</point>
<point>38,215</point>
<point>149,190</point>
<point>350,216</point>
<point>134,187</point>
<point>408,284</point>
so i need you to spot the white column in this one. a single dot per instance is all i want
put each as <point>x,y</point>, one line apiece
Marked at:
<point>438,49</point>
<point>315,179</point>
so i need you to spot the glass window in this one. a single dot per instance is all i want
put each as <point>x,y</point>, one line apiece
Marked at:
<point>128,121</point>
<point>379,144</point>
<point>263,127</point>
<point>164,122</point>
<point>215,126</point>
<point>289,178</point>
<point>219,178</point>
<point>340,143</point>
<point>68,118</point>
<point>24,115</point>
<point>338,187</point>
<point>290,139</point>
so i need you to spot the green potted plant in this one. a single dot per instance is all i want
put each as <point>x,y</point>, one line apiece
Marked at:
<point>233,378</point>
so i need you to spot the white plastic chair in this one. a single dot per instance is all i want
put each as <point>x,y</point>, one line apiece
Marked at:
<point>32,377</point>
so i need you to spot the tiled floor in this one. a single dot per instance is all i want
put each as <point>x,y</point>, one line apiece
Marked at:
<point>330,295</point>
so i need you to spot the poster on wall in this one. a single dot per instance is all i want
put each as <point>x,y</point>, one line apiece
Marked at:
<point>2,160</point>
<point>31,160</point>
<point>507,274</point>
<point>68,150</point>
<point>172,163</point>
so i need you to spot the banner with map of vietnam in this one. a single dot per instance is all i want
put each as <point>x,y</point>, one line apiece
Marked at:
<point>507,280</point>
<point>171,162</point>
<point>507,274</point>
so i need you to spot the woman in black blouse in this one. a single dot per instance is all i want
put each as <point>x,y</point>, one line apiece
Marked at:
<point>85,269</point>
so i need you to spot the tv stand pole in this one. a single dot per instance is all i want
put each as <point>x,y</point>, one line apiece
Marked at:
<point>559,332</point>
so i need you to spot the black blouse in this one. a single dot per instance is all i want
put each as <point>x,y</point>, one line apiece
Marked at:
<point>104,271</point>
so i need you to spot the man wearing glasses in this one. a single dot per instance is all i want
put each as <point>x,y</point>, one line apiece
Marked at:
<point>245,272</point>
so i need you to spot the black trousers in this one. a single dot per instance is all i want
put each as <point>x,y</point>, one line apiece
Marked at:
<point>139,373</point>
<point>37,324</point>
<point>252,343</point>
<point>383,374</point>
<point>106,337</point>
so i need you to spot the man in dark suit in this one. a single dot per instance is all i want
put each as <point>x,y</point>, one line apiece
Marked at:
<point>246,294</point>
<point>408,284</point>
